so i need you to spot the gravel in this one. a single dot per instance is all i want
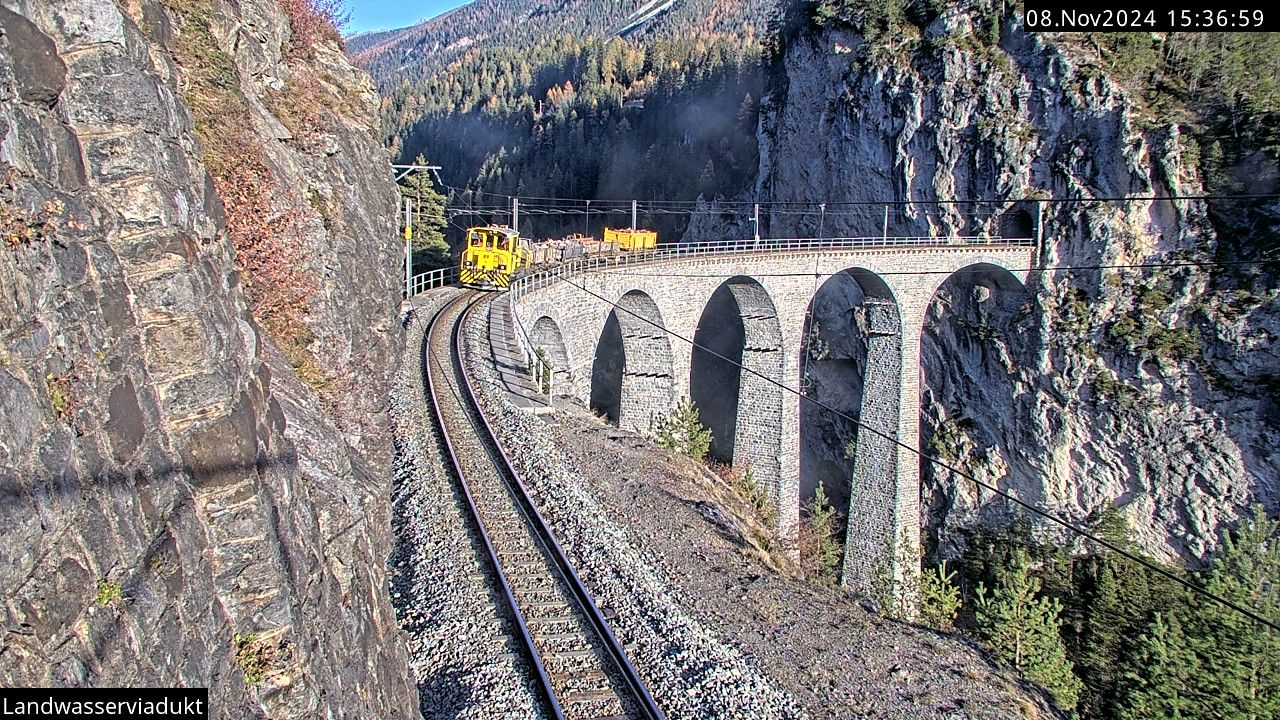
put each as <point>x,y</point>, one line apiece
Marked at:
<point>689,670</point>
<point>722,630</point>
<point>462,655</point>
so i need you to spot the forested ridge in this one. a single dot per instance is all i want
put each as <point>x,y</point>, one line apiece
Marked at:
<point>567,107</point>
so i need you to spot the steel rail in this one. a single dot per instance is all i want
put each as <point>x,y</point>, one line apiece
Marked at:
<point>512,604</point>
<point>645,702</point>
<point>626,684</point>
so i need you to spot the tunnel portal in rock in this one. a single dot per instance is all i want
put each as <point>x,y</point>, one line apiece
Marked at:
<point>1018,222</point>
<point>737,351</point>
<point>632,375</point>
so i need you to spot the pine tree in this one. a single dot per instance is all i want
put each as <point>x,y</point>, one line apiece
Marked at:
<point>1207,660</point>
<point>1023,631</point>
<point>1116,603</point>
<point>683,431</point>
<point>822,546</point>
<point>939,597</point>
<point>430,249</point>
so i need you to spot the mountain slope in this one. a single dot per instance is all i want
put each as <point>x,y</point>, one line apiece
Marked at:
<point>592,99</point>
<point>394,56</point>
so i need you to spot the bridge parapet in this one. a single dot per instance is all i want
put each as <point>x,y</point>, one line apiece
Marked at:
<point>678,283</point>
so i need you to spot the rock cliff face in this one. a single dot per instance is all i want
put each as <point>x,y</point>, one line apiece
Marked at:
<point>192,491</point>
<point>1147,389</point>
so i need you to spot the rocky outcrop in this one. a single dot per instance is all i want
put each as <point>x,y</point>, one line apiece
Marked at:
<point>188,499</point>
<point>1144,389</point>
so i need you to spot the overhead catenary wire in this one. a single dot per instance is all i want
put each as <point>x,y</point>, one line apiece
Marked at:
<point>1130,556</point>
<point>881,202</point>
<point>1046,268</point>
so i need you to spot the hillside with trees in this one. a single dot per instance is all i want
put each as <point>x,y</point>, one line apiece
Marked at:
<point>567,104</point>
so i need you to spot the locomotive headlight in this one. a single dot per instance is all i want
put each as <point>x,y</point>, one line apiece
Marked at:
<point>468,263</point>
<point>502,267</point>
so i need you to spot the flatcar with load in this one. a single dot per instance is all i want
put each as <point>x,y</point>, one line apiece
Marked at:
<point>631,239</point>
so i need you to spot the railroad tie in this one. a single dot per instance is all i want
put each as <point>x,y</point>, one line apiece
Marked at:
<point>550,605</point>
<point>594,695</point>
<point>557,620</point>
<point>582,654</point>
<point>558,636</point>
<point>588,674</point>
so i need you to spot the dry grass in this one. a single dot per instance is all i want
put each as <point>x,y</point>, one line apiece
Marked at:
<point>314,22</point>
<point>264,219</point>
<point>737,490</point>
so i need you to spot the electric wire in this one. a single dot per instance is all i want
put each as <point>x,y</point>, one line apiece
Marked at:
<point>1053,268</point>
<point>857,203</point>
<point>1132,557</point>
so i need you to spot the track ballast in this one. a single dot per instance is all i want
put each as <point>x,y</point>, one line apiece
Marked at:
<point>581,667</point>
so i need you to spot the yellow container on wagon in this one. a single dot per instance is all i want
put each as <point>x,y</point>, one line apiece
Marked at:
<point>631,239</point>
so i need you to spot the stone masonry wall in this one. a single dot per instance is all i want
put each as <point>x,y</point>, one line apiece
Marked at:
<point>788,280</point>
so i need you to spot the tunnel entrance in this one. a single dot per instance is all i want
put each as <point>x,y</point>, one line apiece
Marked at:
<point>1017,223</point>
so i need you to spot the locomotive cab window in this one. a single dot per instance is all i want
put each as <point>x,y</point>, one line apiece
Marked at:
<point>477,240</point>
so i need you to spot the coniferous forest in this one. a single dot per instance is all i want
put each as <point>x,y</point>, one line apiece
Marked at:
<point>567,109</point>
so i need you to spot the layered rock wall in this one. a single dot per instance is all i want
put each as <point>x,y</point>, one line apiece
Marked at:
<point>1090,394</point>
<point>182,504</point>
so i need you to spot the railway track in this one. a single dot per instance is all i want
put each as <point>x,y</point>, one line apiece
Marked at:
<point>582,669</point>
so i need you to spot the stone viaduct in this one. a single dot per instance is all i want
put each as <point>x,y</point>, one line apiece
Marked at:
<point>618,337</point>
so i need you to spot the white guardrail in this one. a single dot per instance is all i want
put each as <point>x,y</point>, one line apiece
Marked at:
<point>445,276</point>
<point>586,263</point>
<point>433,279</point>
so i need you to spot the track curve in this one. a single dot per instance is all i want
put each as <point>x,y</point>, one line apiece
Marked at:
<point>582,669</point>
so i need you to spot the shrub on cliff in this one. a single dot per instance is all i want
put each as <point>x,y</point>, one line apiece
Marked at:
<point>314,22</point>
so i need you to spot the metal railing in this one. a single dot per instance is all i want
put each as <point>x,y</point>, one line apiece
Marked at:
<point>432,279</point>
<point>587,263</point>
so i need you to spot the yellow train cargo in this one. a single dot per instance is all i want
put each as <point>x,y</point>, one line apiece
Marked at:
<point>631,239</point>
<point>492,257</point>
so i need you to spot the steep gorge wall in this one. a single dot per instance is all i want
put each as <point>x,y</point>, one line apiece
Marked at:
<point>1148,390</point>
<point>187,498</point>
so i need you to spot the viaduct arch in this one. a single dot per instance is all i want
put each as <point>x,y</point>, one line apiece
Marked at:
<point>752,307</point>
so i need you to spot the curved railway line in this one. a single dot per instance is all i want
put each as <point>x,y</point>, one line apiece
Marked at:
<point>582,669</point>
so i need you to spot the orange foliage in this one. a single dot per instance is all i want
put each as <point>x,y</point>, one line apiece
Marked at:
<point>265,239</point>
<point>314,22</point>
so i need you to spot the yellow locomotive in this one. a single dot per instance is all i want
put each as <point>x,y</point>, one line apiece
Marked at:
<point>492,257</point>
